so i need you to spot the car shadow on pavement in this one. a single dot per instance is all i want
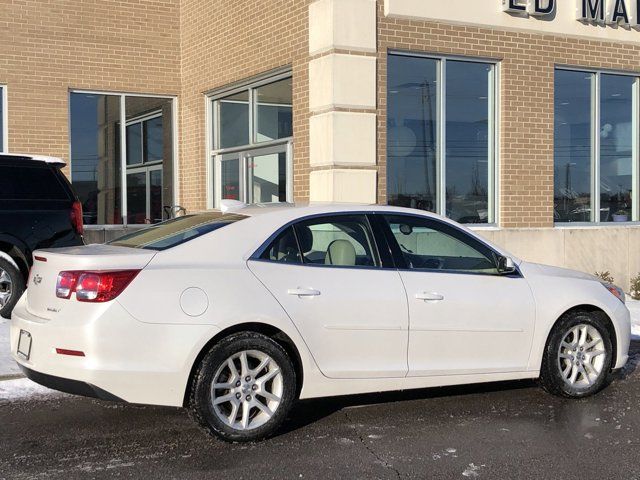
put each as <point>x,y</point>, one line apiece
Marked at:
<point>309,411</point>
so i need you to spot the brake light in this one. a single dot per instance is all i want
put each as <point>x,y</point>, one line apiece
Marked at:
<point>76,217</point>
<point>89,286</point>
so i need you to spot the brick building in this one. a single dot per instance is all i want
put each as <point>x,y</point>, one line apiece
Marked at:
<point>517,117</point>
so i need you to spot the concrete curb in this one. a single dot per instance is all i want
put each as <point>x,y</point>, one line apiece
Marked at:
<point>11,376</point>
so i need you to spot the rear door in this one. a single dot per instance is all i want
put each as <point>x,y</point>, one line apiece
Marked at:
<point>465,317</point>
<point>327,274</point>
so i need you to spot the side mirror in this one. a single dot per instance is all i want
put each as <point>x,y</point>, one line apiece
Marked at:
<point>506,265</point>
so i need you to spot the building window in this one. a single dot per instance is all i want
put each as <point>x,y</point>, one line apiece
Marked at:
<point>441,136</point>
<point>251,142</point>
<point>3,119</point>
<point>596,146</point>
<point>116,185</point>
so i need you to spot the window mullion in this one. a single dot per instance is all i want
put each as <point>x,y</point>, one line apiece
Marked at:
<point>123,158</point>
<point>595,154</point>
<point>441,186</point>
<point>253,136</point>
<point>635,205</point>
<point>491,138</point>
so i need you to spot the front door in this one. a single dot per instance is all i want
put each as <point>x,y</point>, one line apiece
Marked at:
<point>465,318</point>
<point>326,273</point>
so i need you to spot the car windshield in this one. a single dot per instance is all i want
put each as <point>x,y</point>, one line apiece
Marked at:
<point>176,231</point>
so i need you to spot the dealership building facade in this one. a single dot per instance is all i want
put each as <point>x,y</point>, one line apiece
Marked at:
<point>518,117</point>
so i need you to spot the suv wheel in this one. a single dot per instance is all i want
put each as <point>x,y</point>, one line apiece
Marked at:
<point>578,356</point>
<point>243,388</point>
<point>11,287</point>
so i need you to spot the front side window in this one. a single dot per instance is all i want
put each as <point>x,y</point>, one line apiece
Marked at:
<point>430,245</point>
<point>440,136</point>
<point>250,142</point>
<point>596,148</point>
<point>98,123</point>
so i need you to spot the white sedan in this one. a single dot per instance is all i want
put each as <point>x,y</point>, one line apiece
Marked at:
<point>237,314</point>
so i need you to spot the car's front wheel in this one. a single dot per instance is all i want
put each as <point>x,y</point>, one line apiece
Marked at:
<point>578,356</point>
<point>243,388</point>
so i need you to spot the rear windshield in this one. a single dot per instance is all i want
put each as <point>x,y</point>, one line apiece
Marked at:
<point>176,231</point>
<point>30,182</point>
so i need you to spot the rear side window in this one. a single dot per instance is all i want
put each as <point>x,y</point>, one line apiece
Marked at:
<point>31,182</point>
<point>176,231</point>
<point>337,240</point>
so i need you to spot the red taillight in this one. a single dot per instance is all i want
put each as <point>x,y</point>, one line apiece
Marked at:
<point>100,286</point>
<point>72,353</point>
<point>76,217</point>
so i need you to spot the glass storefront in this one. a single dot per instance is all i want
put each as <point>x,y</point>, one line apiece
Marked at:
<point>595,146</point>
<point>440,136</point>
<point>251,142</point>
<point>97,161</point>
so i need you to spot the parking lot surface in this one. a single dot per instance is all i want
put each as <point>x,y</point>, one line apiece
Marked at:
<point>507,430</point>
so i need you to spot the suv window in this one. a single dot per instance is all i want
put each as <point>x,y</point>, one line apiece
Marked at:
<point>31,182</point>
<point>427,244</point>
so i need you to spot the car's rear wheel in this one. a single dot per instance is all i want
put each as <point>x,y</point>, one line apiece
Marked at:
<point>11,287</point>
<point>578,356</point>
<point>243,388</point>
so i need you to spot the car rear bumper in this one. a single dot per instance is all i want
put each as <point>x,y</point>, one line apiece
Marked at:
<point>124,359</point>
<point>66,385</point>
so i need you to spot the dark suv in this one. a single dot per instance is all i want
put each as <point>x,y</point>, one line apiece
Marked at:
<point>38,209</point>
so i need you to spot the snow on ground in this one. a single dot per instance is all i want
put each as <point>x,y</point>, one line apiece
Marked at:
<point>23,388</point>
<point>7,365</point>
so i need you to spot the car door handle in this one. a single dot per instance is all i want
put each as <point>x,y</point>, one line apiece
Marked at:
<point>429,296</point>
<point>303,292</point>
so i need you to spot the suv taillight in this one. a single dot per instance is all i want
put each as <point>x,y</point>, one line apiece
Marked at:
<point>89,286</point>
<point>76,217</point>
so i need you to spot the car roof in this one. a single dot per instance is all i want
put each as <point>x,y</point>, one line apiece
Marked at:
<point>40,158</point>
<point>300,209</point>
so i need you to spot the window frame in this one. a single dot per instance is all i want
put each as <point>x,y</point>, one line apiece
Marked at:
<point>494,100</point>
<point>596,107</point>
<point>122,124</point>
<point>4,131</point>
<point>212,137</point>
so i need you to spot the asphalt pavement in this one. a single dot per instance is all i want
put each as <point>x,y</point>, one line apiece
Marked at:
<point>497,431</point>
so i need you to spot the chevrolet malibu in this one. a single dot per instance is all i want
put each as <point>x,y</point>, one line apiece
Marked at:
<point>235,314</point>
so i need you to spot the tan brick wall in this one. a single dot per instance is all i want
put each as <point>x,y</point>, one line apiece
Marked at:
<point>225,42</point>
<point>527,63</point>
<point>50,46</point>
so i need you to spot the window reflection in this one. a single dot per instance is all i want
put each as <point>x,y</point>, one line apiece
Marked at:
<point>572,147</point>
<point>467,144</point>
<point>234,120</point>
<point>95,156</point>
<point>417,165</point>
<point>274,111</point>
<point>412,132</point>
<point>616,145</point>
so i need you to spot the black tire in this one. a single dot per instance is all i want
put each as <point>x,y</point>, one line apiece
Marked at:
<point>17,286</point>
<point>551,377</point>
<point>201,401</point>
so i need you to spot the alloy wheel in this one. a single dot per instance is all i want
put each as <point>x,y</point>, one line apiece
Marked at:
<point>6,287</point>
<point>581,356</point>
<point>247,390</point>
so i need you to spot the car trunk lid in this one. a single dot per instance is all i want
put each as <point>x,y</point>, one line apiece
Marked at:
<point>48,263</point>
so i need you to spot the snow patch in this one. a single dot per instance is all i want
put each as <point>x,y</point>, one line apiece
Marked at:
<point>23,388</point>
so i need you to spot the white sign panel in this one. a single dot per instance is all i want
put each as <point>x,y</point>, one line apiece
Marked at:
<point>614,20</point>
